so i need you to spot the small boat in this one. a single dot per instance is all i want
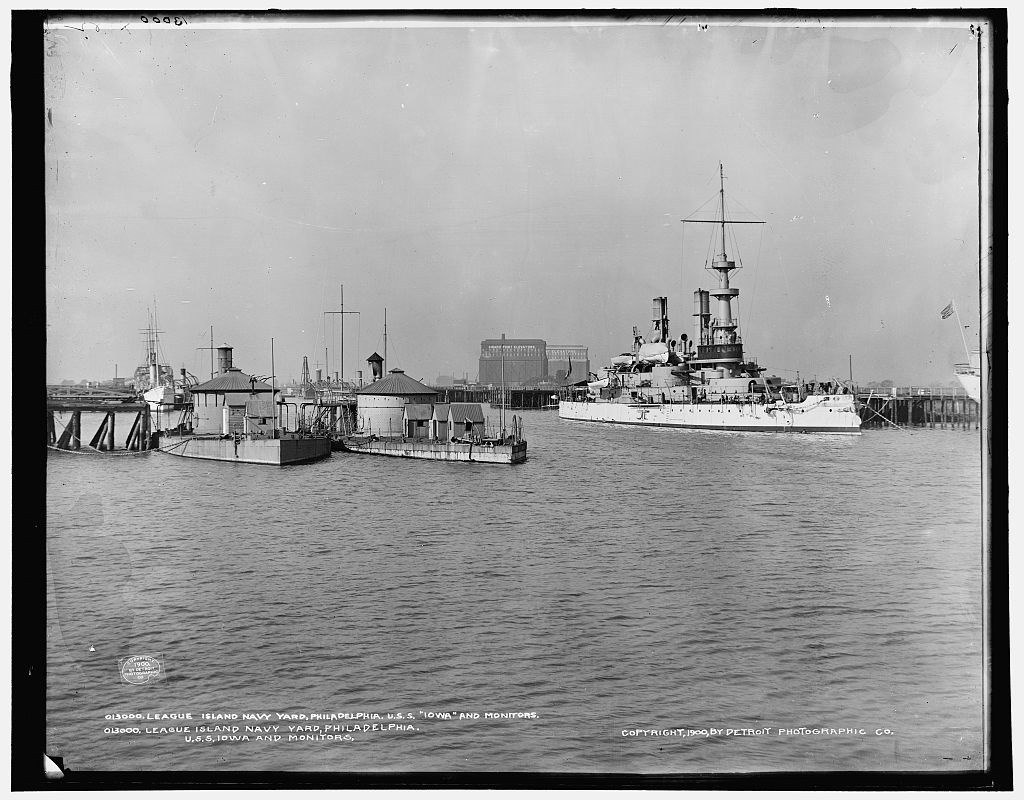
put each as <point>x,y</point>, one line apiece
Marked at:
<point>653,353</point>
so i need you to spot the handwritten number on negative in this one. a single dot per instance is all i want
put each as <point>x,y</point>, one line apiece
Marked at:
<point>156,19</point>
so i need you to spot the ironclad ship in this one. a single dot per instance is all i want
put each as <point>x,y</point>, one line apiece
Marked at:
<point>707,382</point>
<point>238,417</point>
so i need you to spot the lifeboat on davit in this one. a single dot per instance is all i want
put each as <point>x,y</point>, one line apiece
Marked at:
<point>654,353</point>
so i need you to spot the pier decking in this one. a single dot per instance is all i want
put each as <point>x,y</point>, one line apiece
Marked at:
<point>920,406</point>
<point>140,431</point>
<point>516,398</point>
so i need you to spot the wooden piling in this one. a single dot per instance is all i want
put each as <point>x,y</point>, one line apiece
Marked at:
<point>147,431</point>
<point>132,442</point>
<point>64,442</point>
<point>76,430</point>
<point>110,430</point>
<point>51,429</point>
<point>98,441</point>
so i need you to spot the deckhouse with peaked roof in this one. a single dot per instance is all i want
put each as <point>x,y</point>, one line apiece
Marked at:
<point>465,420</point>
<point>380,407</point>
<point>219,404</point>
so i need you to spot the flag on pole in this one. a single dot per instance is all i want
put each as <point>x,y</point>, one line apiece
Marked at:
<point>947,312</point>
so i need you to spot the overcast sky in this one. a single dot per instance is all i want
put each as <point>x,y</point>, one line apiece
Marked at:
<point>508,178</point>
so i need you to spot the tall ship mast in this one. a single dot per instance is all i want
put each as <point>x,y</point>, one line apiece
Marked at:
<point>706,382</point>
<point>167,398</point>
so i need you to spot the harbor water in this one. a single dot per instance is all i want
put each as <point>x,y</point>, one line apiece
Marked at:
<point>628,600</point>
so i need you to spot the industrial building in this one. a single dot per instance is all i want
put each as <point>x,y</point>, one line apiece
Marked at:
<point>561,356</point>
<point>530,361</point>
<point>525,361</point>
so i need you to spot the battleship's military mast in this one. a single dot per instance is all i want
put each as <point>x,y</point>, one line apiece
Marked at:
<point>719,345</point>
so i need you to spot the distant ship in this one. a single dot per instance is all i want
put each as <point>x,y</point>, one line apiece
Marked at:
<point>167,398</point>
<point>969,375</point>
<point>705,383</point>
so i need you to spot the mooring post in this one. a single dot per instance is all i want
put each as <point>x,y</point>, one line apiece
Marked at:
<point>51,429</point>
<point>145,428</point>
<point>76,430</point>
<point>110,430</point>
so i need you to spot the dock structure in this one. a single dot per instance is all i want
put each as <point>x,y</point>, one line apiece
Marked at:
<point>917,406</point>
<point>140,432</point>
<point>333,418</point>
<point>516,398</point>
<point>463,393</point>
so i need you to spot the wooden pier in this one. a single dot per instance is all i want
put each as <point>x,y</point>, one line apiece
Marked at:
<point>917,406</point>
<point>516,398</point>
<point>110,405</point>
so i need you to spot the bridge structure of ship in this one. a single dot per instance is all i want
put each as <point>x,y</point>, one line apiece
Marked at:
<point>917,406</point>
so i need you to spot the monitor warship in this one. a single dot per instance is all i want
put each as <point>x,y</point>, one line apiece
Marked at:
<point>706,382</point>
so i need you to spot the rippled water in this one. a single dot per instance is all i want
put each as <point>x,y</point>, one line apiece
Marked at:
<point>622,579</point>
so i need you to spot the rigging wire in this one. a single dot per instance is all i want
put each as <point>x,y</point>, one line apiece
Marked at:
<point>698,208</point>
<point>756,270</point>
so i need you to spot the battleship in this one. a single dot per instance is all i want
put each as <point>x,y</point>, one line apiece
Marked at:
<point>706,382</point>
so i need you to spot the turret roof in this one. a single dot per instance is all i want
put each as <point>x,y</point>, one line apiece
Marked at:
<point>397,383</point>
<point>234,380</point>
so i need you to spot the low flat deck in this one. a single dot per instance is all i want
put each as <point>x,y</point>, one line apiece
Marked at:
<point>485,453</point>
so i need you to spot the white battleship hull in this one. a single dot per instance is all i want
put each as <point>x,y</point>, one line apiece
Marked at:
<point>816,414</point>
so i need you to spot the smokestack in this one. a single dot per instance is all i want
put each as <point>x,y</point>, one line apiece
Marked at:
<point>223,359</point>
<point>319,375</point>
